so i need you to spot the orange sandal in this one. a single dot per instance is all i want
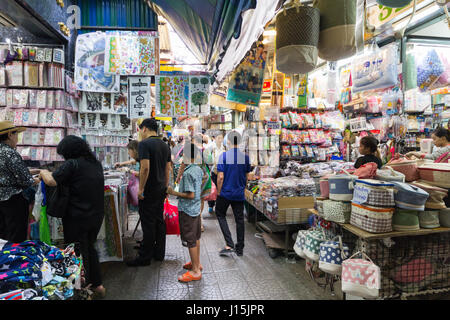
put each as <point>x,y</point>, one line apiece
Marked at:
<point>188,266</point>
<point>188,277</point>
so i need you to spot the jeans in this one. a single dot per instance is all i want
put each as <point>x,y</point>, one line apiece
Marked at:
<point>14,219</point>
<point>151,212</point>
<point>222,205</point>
<point>211,204</point>
<point>83,232</point>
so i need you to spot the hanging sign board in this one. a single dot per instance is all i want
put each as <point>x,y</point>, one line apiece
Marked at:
<point>380,15</point>
<point>139,97</point>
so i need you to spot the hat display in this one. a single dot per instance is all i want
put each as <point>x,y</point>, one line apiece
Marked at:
<point>8,126</point>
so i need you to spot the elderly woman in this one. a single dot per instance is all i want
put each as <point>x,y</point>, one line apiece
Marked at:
<point>82,173</point>
<point>15,177</point>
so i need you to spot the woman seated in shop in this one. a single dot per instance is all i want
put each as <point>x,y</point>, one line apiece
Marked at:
<point>368,148</point>
<point>441,140</point>
<point>82,173</point>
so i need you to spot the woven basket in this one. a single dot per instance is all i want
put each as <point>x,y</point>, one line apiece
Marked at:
<point>296,47</point>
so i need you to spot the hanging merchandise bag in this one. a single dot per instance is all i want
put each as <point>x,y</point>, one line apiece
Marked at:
<point>429,69</point>
<point>171,218</point>
<point>332,254</point>
<point>341,28</point>
<point>394,3</point>
<point>375,69</point>
<point>213,195</point>
<point>361,277</point>
<point>296,47</point>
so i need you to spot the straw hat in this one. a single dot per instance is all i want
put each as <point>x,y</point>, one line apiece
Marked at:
<point>8,126</point>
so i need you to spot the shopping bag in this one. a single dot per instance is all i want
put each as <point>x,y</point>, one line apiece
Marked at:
<point>206,182</point>
<point>171,218</point>
<point>133,190</point>
<point>213,195</point>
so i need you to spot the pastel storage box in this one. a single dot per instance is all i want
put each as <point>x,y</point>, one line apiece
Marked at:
<point>409,197</point>
<point>332,254</point>
<point>405,220</point>
<point>341,187</point>
<point>371,219</point>
<point>300,243</point>
<point>360,277</point>
<point>374,193</point>
<point>444,218</point>
<point>389,174</point>
<point>429,219</point>
<point>436,195</point>
<point>312,244</point>
<point>337,211</point>
<point>436,174</point>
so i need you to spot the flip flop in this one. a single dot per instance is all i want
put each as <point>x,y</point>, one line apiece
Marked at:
<point>188,266</point>
<point>188,277</point>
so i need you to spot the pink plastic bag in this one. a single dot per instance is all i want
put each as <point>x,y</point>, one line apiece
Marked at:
<point>133,190</point>
<point>213,195</point>
<point>171,218</point>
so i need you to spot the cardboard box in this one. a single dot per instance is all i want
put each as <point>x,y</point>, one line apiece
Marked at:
<point>296,203</point>
<point>249,196</point>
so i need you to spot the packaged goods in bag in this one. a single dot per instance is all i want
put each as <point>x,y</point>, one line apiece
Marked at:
<point>171,218</point>
<point>296,48</point>
<point>375,69</point>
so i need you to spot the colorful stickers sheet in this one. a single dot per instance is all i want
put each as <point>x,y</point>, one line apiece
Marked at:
<point>199,95</point>
<point>89,65</point>
<point>172,95</point>
<point>131,53</point>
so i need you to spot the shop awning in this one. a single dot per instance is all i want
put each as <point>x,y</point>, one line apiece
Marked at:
<point>210,27</point>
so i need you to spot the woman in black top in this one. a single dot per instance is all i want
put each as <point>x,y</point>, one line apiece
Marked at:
<point>83,174</point>
<point>368,147</point>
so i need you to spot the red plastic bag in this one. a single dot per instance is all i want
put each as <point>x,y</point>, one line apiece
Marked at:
<point>133,190</point>
<point>213,195</point>
<point>171,218</point>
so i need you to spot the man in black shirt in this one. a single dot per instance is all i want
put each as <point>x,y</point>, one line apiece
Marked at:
<point>154,172</point>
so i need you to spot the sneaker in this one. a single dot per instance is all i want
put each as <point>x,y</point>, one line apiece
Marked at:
<point>138,262</point>
<point>239,253</point>
<point>226,252</point>
<point>210,210</point>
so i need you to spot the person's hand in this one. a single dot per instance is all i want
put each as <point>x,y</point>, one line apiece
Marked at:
<point>413,154</point>
<point>170,190</point>
<point>141,194</point>
<point>135,173</point>
<point>37,180</point>
<point>35,171</point>
<point>117,165</point>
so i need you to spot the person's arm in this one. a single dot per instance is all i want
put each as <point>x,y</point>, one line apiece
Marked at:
<point>168,170</point>
<point>219,182</point>
<point>185,195</point>
<point>125,163</point>
<point>180,172</point>
<point>48,179</point>
<point>144,172</point>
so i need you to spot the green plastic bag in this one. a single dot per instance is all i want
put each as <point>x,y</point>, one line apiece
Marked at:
<point>206,181</point>
<point>44,229</point>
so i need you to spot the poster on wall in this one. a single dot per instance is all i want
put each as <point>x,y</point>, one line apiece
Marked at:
<point>89,65</point>
<point>120,99</point>
<point>247,81</point>
<point>172,95</point>
<point>139,105</point>
<point>199,95</point>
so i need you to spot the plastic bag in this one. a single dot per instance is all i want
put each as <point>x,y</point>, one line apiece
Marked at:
<point>171,218</point>
<point>375,69</point>
<point>133,190</point>
<point>39,197</point>
<point>213,195</point>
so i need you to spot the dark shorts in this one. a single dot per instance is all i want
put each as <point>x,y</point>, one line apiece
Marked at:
<point>190,229</point>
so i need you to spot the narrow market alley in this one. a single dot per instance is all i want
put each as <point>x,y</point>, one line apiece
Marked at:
<point>254,276</point>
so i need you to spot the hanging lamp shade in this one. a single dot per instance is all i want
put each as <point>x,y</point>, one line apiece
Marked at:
<point>297,39</point>
<point>394,3</point>
<point>339,34</point>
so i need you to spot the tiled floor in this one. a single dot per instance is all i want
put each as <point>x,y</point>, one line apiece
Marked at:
<point>253,276</point>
